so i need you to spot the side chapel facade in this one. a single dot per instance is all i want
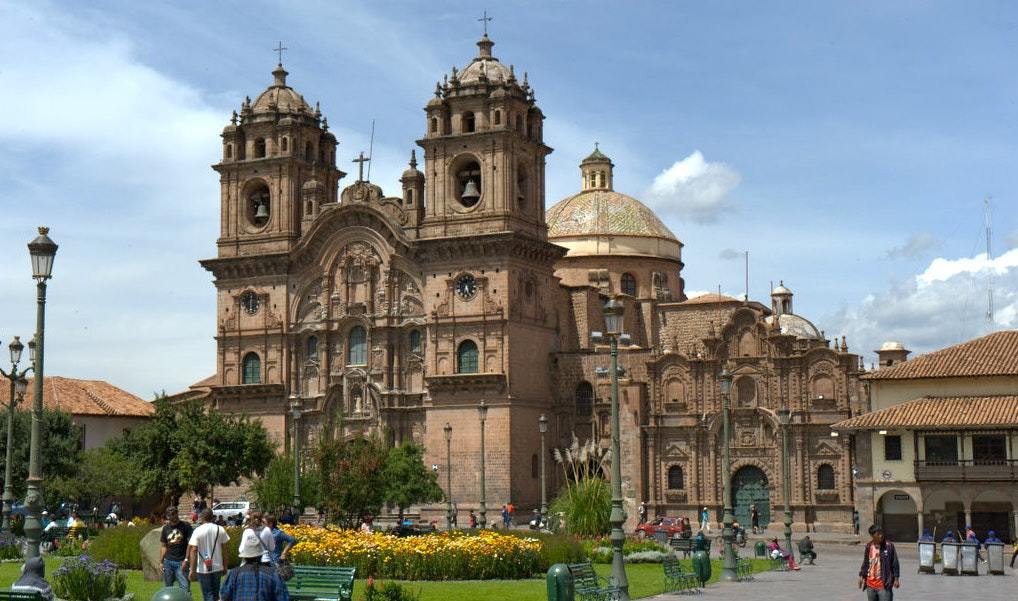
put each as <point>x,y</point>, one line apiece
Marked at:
<point>398,314</point>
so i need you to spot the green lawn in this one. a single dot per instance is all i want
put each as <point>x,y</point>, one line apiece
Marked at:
<point>645,579</point>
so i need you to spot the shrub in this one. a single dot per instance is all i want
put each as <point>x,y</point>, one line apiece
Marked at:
<point>557,548</point>
<point>69,547</point>
<point>585,506</point>
<point>81,579</point>
<point>9,549</point>
<point>378,591</point>
<point>120,545</point>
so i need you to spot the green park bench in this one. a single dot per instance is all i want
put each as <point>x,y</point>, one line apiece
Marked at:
<point>588,586</point>
<point>321,583</point>
<point>20,596</point>
<point>743,569</point>
<point>682,545</point>
<point>54,533</point>
<point>675,578</point>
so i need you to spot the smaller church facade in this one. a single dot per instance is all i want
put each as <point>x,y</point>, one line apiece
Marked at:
<point>397,315</point>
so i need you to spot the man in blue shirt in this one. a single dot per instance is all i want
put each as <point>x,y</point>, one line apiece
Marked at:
<point>283,540</point>
<point>251,581</point>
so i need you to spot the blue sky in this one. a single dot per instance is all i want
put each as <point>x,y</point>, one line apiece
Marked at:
<point>847,146</point>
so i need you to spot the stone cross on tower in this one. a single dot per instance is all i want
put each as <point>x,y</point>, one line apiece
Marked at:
<point>485,19</point>
<point>360,161</point>
<point>279,50</point>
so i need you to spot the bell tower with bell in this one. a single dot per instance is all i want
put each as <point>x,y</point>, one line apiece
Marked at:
<point>275,150</point>
<point>484,152</point>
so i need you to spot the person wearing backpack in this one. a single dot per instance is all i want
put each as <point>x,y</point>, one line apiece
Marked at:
<point>205,555</point>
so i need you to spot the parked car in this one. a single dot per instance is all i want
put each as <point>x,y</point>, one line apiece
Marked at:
<point>228,509</point>
<point>670,526</point>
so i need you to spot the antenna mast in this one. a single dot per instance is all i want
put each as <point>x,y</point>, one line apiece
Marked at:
<point>989,258</point>
<point>747,277</point>
<point>371,147</point>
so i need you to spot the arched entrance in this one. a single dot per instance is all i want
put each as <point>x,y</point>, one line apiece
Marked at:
<point>896,510</point>
<point>749,487</point>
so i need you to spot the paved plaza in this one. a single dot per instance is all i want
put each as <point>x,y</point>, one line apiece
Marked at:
<point>835,578</point>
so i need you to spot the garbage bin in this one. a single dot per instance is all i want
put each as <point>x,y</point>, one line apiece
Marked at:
<point>661,537</point>
<point>927,550</point>
<point>560,584</point>
<point>950,552</point>
<point>969,564</point>
<point>701,566</point>
<point>171,593</point>
<point>760,549</point>
<point>995,558</point>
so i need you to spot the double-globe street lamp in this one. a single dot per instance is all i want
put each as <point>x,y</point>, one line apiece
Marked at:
<point>784,416</point>
<point>296,407</point>
<point>542,427</point>
<point>448,475</point>
<point>18,387</point>
<point>613,312</point>
<point>729,573</point>
<point>42,251</point>
<point>482,521</point>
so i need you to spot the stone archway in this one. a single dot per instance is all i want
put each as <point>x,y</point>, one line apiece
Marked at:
<point>750,487</point>
<point>897,513</point>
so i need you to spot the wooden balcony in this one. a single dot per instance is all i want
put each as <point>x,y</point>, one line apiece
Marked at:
<point>967,470</point>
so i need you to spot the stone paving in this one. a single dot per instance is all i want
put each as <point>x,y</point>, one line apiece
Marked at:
<point>835,578</point>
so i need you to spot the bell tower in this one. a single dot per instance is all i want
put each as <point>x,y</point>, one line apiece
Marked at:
<point>271,149</point>
<point>484,152</point>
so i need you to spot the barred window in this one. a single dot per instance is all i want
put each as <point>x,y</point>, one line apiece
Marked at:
<point>584,399</point>
<point>466,358</point>
<point>415,341</point>
<point>252,369</point>
<point>628,284</point>
<point>357,347</point>
<point>676,481</point>
<point>825,477</point>
<point>312,348</point>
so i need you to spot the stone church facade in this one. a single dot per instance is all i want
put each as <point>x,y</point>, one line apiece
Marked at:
<point>399,314</point>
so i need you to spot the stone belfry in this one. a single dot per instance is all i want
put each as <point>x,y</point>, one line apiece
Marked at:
<point>271,149</point>
<point>484,152</point>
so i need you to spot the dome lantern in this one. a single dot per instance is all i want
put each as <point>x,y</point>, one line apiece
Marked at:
<point>596,170</point>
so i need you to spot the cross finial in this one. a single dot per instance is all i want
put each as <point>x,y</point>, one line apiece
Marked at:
<point>360,161</point>
<point>596,145</point>
<point>279,50</point>
<point>485,19</point>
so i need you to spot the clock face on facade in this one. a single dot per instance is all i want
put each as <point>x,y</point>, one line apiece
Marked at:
<point>250,302</point>
<point>466,286</point>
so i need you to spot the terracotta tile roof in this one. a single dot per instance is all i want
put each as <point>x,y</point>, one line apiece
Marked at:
<point>992,355</point>
<point>937,413</point>
<point>89,397</point>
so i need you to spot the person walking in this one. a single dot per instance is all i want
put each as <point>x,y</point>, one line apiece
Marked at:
<point>641,511</point>
<point>472,520</point>
<point>505,517</point>
<point>879,573</point>
<point>705,520</point>
<point>173,549</point>
<point>205,555</point>
<point>255,524</point>
<point>252,581</point>
<point>282,542</point>
<point>754,518</point>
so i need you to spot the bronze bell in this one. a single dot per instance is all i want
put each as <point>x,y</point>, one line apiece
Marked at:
<point>262,212</point>
<point>470,192</point>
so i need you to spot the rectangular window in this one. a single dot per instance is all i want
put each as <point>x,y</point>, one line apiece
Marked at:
<point>942,449</point>
<point>892,448</point>
<point>989,450</point>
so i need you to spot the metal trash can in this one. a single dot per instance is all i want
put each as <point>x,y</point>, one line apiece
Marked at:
<point>969,563</point>
<point>995,558</point>
<point>171,593</point>
<point>701,566</point>
<point>760,549</point>
<point>950,553</point>
<point>927,551</point>
<point>661,537</point>
<point>560,584</point>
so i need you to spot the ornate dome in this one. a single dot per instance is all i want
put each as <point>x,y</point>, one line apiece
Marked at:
<point>280,98</point>
<point>892,345</point>
<point>601,221</point>
<point>485,66</point>
<point>793,325</point>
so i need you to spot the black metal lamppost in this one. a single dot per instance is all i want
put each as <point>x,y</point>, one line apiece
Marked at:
<point>729,572</point>
<point>613,313</point>
<point>448,475</point>
<point>18,388</point>
<point>542,427</point>
<point>784,416</point>
<point>42,251</point>
<point>482,518</point>
<point>296,407</point>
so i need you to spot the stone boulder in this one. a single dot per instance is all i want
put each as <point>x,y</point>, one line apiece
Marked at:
<point>150,566</point>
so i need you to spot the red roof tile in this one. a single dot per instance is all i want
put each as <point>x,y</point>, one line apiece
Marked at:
<point>88,397</point>
<point>992,355</point>
<point>932,413</point>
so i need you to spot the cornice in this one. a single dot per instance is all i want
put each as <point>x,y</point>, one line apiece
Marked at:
<point>248,266</point>
<point>490,245</point>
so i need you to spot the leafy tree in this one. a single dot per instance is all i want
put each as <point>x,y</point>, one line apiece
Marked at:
<point>61,444</point>
<point>407,481</point>
<point>274,488</point>
<point>102,473</point>
<point>187,447</point>
<point>352,473</point>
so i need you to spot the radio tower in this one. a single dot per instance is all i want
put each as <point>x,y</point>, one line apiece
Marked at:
<point>989,257</point>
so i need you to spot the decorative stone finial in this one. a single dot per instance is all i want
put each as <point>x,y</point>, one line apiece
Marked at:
<point>413,158</point>
<point>279,73</point>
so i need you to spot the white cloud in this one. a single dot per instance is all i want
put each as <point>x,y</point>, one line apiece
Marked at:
<point>694,188</point>
<point>944,305</point>
<point>1011,240</point>
<point>918,246</point>
<point>730,254</point>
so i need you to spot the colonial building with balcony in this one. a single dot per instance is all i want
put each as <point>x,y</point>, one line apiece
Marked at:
<point>938,449</point>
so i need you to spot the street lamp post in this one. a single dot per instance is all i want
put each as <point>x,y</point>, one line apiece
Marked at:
<point>296,405</point>
<point>448,475</point>
<point>729,573</point>
<point>542,426</point>
<point>42,251</point>
<point>784,417</point>
<point>18,387</point>
<point>482,511</point>
<point>613,311</point>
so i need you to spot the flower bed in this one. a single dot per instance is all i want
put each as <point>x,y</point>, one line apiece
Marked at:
<point>441,556</point>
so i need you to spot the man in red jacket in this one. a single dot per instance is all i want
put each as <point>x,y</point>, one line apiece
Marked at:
<point>879,573</point>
